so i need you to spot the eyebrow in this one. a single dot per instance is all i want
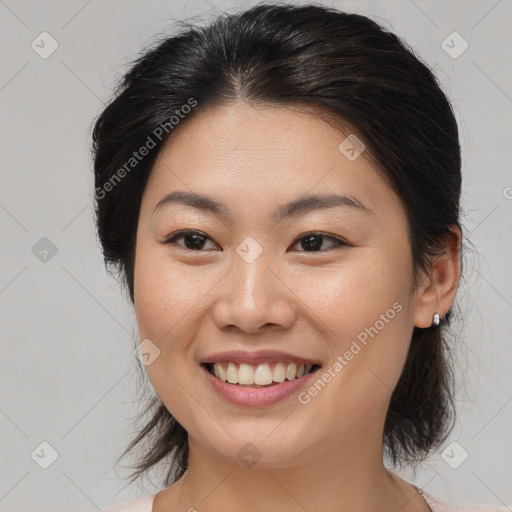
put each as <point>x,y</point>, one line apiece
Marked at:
<point>304,204</point>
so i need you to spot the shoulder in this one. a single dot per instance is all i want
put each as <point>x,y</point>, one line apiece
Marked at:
<point>144,504</point>
<point>439,506</point>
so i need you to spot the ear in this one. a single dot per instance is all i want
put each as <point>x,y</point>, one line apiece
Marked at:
<point>437,291</point>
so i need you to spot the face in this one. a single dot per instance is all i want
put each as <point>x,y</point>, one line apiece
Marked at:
<point>324,283</point>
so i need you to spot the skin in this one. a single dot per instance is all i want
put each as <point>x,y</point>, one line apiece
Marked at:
<point>327,454</point>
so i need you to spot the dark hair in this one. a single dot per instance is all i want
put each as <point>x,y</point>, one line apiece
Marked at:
<point>348,70</point>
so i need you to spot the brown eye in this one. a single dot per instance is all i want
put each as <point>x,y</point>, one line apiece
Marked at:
<point>193,240</point>
<point>310,242</point>
<point>313,242</point>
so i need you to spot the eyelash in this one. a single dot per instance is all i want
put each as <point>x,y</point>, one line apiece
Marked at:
<point>339,243</point>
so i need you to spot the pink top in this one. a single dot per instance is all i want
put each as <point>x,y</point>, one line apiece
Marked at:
<point>146,504</point>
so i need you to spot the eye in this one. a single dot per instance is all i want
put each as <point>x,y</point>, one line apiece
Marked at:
<point>194,240</point>
<point>312,242</point>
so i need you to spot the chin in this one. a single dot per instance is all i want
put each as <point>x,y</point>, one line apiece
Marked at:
<point>259,450</point>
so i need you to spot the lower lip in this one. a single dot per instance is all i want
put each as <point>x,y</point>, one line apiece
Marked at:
<point>255,397</point>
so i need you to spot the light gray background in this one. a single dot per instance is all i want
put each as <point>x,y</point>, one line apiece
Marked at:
<point>67,367</point>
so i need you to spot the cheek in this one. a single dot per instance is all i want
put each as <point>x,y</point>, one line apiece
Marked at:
<point>363,307</point>
<point>165,292</point>
<point>166,301</point>
<point>353,294</point>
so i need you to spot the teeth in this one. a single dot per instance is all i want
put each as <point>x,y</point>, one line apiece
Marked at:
<point>222,373</point>
<point>260,375</point>
<point>232,374</point>
<point>245,374</point>
<point>279,373</point>
<point>291,371</point>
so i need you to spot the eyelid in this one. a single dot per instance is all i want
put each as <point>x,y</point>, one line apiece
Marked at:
<point>178,234</point>
<point>340,242</point>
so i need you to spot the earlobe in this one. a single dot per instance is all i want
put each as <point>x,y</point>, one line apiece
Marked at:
<point>437,292</point>
<point>427,304</point>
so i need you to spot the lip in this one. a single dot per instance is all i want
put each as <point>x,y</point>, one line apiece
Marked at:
<point>256,397</point>
<point>257,357</point>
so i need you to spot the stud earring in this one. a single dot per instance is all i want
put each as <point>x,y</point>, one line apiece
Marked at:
<point>436,320</point>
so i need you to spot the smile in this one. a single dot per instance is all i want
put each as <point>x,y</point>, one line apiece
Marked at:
<point>259,375</point>
<point>279,380</point>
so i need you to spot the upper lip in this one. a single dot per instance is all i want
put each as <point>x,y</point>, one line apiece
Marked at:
<point>257,357</point>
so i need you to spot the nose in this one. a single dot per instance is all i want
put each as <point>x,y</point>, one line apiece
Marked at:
<point>254,297</point>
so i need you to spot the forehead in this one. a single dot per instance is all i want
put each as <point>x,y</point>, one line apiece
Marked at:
<point>241,152</point>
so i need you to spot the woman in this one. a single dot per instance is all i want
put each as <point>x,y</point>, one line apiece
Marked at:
<point>280,192</point>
